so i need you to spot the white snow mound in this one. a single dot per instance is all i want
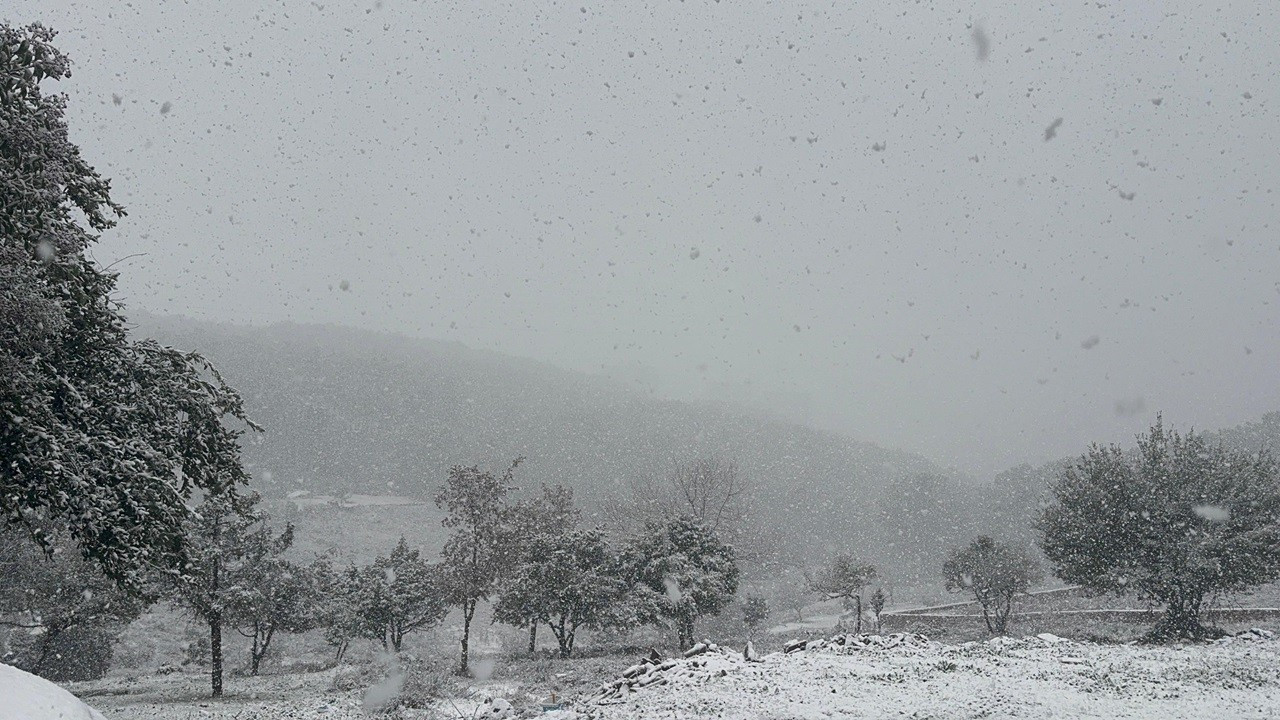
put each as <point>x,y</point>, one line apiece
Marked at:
<point>24,696</point>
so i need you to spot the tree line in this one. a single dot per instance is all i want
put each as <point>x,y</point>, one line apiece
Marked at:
<point>532,559</point>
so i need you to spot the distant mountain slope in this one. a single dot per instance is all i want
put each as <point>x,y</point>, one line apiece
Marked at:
<point>347,410</point>
<point>351,411</point>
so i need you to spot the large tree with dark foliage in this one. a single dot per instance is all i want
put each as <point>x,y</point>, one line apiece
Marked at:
<point>1176,523</point>
<point>105,436</point>
<point>567,582</point>
<point>995,573</point>
<point>477,509</point>
<point>684,570</point>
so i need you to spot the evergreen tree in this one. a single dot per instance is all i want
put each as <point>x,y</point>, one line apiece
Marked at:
<point>1175,523</point>
<point>844,579</point>
<point>105,436</point>
<point>682,571</point>
<point>479,550</point>
<point>755,610</point>
<point>566,581</point>
<point>384,601</point>
<point>219,570</point>
<point>412,596</point>
<point>995,573</point>
<point>529,525</point>
<point>274,595</point>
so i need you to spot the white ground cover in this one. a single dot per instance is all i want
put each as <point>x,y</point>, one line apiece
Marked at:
<point>24,696</point>
<point>1017,678</point>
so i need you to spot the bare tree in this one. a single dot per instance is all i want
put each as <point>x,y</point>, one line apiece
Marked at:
<point>710,490</point>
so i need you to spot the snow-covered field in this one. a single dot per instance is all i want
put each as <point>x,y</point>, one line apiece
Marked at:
<point>1023,678</point>
<point>899,676</point>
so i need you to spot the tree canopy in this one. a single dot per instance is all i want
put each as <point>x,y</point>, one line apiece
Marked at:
<point>1175,523</point>
<point>683,571</point>
<point>996,574</point>
<point>103,435</point>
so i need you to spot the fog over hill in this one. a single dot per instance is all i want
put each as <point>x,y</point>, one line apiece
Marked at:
<point>355,411</point>
<point>349,410</point>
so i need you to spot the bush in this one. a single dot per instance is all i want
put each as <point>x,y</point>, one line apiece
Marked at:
<point>424,683</point>
<point>80,653</point>
<point>391,684</point>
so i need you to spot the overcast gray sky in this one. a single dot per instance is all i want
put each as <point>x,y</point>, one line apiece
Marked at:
<point>838,211</point>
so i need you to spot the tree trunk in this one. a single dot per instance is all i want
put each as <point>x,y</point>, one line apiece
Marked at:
<point>215,652</point>
<point>215,617</point>
<point>1181,621</point>
<point>468,609</point>
<point>1004,608</point>
<point>46,646</point>
<point>253,653</point>
<point>260,648</point>
<point>564,638</point>
<point>533,636</point>
<point>684,627</point>
<point>857,605</point>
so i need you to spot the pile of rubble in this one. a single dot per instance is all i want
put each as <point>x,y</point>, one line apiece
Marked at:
<point>1250,634</point>
<point>703,660</point>
<point>706,660</point>
<point>850,643</point>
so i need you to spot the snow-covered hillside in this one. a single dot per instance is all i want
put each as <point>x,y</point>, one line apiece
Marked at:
<point>909,676</point>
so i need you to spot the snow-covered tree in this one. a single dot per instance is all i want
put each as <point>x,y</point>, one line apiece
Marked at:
<point>843,579</point>
<point>104,436</point>
<point>384,601</point>
<point>274,595</point>
<point>529,525</point>
<point>1175,523</point>
<point>995,573</point>
<point>340,606</point>
<point>411,593</point>
<point>566,581</point>
<point>755,610</point>
<point>475,555</point>
<point>681,571</point>
<point>219,570</point>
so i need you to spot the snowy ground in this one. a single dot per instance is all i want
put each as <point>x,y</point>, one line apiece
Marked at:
<point>1027,678</point>
<point>842,677</point>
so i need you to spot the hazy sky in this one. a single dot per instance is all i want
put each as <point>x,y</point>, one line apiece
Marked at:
<point>839,211</point>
